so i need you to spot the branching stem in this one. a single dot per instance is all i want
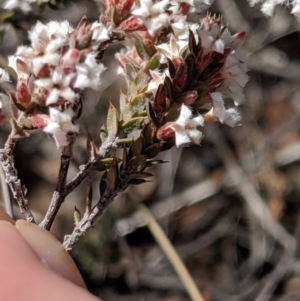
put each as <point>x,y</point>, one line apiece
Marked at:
<point>62,190</point>
<point>11,174</point>
<point>58,196</point>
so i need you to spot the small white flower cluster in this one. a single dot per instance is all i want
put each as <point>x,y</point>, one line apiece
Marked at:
<point>217,38</point>
<point>156,15</point>
<point>268,6</point>
<point>53,71</point>
<point>24,5</point>
<point>231,78</point>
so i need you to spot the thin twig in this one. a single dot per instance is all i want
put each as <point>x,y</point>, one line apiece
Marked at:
<point>62,190</point>
<point>88,219</point>
<point>11,174</point>
<point>172,255</point>
<point>104,151</point>
<point>58,196</point>
<point>85,172</point>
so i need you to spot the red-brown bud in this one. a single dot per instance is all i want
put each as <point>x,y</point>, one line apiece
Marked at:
<point>132,24</point>
<point>166,131</point>
<point>23,94</point>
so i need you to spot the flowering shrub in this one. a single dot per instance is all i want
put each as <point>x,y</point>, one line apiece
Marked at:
<point>179,72</point>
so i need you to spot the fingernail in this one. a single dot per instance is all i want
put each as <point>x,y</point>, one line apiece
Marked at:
<point>50,250</point>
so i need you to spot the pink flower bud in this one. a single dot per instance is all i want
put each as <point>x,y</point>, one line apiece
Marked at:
<point>23,95</point>
<point>71,58</point>
<point>132,24</point>
<point>166,131</point>
<point>40,121</point>
<point>188,98</point>
<point>183,8</point>
<point>44,71</point>
<point>123,7</point>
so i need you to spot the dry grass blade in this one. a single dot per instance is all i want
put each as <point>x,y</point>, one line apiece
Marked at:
<point>172,256</point>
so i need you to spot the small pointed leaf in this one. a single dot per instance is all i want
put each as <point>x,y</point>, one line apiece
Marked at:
<point>103,134</point>
<point>137,146</point>
<point>138,163</point>
<point>149,132</point>
<point>139,46</point>
<point>103,183</point>
<point>153,150</point>
<point>103,164</point>
<point>112,121</point>
<point>132,124</point>
<point>112,176</point>
<point>152,64</point>
<point>137,181</point>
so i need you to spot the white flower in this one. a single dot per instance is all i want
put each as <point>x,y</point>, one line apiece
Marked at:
<point>60,124</point>
<point>235,77</point>
<point>172,49</point>
<point>23,5</point>
<point>201,6</point>
<point>268,6</point>
<point>214,37</point>
<point>88,73</point>
<point>4,76</point>
<point>152,14</point>
<point>49,37</point>
<point>157,79</point>
<point>100,32</point>
<point>185,127</point>
<point>229,117</point>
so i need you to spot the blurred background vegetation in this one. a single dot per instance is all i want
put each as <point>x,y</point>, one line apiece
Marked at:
<point>231,208</point>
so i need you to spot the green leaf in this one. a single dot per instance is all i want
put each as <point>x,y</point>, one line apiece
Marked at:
<point>153,63</point>
<point>131,71</point>
<point>127,112</point>
<point>138,103</point>
<point>103,134</point>
<point>139,46</point>
<point>103,164</point>
<point>132,124</point>
<point>123,101</point>
<point>112,121</point>
<point>141,81</point>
